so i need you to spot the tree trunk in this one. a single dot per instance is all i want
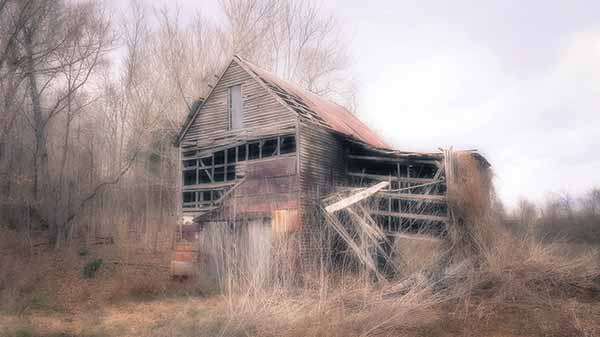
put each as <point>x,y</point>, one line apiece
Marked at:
<point>40,156</point>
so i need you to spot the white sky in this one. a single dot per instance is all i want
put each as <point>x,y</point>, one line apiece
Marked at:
<point>518,80</point>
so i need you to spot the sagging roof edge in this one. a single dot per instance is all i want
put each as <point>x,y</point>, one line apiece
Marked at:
<point>415,155</point>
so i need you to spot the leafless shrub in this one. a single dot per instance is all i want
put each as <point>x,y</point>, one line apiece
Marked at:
<point>568,219</point>
<point>496,265</point>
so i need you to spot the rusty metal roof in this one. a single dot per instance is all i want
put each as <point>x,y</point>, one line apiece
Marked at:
<point>314,107</point>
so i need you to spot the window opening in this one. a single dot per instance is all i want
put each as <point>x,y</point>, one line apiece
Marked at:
<point>219,174</point>
<point>236,110</point>
<point>241,152</point>
<point>253,151</point>
<point>189,177</point>
<point>269,148</point>
<point>287,144</point>
<point>219,157</point>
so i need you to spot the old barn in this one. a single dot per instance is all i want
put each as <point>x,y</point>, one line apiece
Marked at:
<point>262,150</point>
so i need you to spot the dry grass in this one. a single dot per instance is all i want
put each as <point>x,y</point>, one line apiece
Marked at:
<point>479,271</point>
<point>481,280</point>
<point>489,269</point>
<point>136,286</point>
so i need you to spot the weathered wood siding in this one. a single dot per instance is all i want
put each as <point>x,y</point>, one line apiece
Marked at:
<point>261,110</point>
<point>322,164</point>
<point>269,185</point>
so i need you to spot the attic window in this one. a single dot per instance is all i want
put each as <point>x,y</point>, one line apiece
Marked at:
<point>236,111</point>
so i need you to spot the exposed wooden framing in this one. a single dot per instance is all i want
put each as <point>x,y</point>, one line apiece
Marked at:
<point>369,227</point>
<point>364,258</point>
<point>207,170</point>
<point>397,153</point>
<point>241,140</point>
<point>411,216</point>
<point>389,200</point>
<point>228,192</point>
<point>356,197</point>
<point>411,196</point>
<point>399,179</point>
<point>208,186</point>
<point>395,191</point>
<point>394,160</point>
<point>199,210</point>
<point>428,189</point>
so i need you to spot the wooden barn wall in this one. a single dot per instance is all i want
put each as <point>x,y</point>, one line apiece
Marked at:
<point>269,185</point>
<point>261,110</point>
<point>322,165</point>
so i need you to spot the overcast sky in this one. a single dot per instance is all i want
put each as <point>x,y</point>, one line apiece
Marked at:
<point>518,80</point>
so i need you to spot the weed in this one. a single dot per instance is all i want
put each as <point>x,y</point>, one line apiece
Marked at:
<point>90,269</point>
<point>83,251</point>
<point>24,332</point>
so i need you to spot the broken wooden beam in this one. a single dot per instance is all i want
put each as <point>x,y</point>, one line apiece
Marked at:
<point>392,178</point>
<point>348,201</point>
<point>411,236</point>
<point>208,186</point>
<point>411,196</point>
<point>412,216</point>
<point>394,160</point>
<point>365,258</point>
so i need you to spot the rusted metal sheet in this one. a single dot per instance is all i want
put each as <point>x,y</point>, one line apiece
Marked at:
<point>315,107</point>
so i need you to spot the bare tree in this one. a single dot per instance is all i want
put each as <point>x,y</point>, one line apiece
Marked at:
<point>62,45</point>
<point>293,39</point>
<point>590,203</point>
<point>86,130</point>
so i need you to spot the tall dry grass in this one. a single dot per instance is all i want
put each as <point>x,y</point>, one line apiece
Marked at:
<point>478,269</point>
<point>270,288</point>
<point>494,264</point>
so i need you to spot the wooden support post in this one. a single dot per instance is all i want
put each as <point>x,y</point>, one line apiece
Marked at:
<point>389,218</point>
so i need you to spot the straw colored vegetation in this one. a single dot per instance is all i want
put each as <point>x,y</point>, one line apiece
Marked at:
<point>484,279</point>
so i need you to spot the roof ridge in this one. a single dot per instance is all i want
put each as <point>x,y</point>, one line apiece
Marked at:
<point>336,116</point>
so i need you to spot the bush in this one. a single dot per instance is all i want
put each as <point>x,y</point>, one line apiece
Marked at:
<point>91,268</point>
<point>24,332</point>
